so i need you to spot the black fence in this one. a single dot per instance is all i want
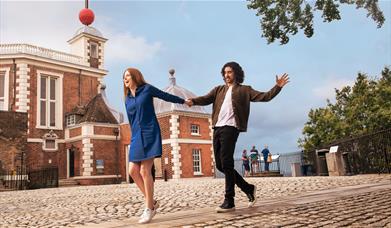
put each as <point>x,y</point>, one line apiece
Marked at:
<point>33,178</point>
<point>366,154</point>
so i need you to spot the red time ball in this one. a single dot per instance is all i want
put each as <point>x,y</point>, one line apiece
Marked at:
<point>86,16</point>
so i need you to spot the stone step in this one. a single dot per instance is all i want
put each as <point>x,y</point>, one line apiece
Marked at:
<point>267,174</point>
<point>67,183</point>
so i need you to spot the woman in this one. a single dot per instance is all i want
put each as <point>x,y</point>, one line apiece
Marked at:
<point>146,142</point>
<point>246,163</point>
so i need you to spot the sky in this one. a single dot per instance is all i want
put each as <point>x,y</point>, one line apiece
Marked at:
<point>197,38</point>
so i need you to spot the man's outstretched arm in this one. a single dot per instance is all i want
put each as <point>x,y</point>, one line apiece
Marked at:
<point>267,96</point>
<point>203,100</point>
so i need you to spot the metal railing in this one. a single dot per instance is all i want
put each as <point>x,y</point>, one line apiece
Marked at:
<point>366,154</point>
<point>33,178</point>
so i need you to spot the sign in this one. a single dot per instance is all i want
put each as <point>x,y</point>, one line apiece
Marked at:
<point>333,149</point>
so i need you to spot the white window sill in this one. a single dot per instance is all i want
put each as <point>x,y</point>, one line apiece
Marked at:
<point>195,134</point>
<point>50,128</point>
<point>198,174</point>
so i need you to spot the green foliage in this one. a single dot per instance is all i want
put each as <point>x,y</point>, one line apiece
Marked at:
<point>363,108</point>
<point>282,18</point>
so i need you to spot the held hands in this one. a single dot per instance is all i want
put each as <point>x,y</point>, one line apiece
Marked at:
<point>189,102</point>
<point>282,80</point>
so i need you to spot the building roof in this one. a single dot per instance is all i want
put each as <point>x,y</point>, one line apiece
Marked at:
<point>163,106</point>
<point>89,30</point>
<point>98,110</point>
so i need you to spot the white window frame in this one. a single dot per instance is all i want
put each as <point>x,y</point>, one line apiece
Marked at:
<point>59,101</point>
<point>198,152</point>
<point>92,43</point>
<point>71,120</point>
<point>6,88</point>
<point>50,136</point>
<point>196,129</point>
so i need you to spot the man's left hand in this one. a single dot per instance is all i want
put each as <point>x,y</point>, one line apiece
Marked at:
<point>282,80</point>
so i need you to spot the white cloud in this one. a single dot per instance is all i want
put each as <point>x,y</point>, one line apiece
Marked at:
<point>134,49</point>
<point>327,89</point>
<point>52,24</point>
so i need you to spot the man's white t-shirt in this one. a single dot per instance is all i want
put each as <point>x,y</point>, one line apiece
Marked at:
<point>226,115</point>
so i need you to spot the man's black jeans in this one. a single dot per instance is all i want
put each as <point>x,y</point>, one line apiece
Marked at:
<point>224,141</point>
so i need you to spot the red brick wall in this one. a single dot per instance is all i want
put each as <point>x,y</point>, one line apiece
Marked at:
<point>74,132</point>
<point>164,123</point>
<point>105,150</point>
<point>187,159</point>
<point>70,95</point>
<point>103,131</point>
<point>168,167</point>
<point>185,123</point>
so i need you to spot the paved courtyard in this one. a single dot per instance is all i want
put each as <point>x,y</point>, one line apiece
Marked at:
<point>116,205</point>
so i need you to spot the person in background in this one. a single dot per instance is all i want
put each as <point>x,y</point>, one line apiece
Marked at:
<point>254,155</point>
<point>246,164</point>
<point>265,152</point>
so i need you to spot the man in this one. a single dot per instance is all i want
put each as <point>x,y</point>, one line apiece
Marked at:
<point>231,107</point>
<point>265,152</point>
<point>254,155</point>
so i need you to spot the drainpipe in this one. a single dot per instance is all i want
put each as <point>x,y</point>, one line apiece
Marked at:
<point>79,87</point>
<point>116,133</point>
<point>13,105</point>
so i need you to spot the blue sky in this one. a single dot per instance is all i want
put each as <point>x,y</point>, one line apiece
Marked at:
<point>197,38</point>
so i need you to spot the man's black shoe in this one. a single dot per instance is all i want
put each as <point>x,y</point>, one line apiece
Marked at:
<point>252,197</point>
<point>227,206</point>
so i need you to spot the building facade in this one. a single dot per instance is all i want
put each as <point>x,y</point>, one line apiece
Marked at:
<point>70,124</point>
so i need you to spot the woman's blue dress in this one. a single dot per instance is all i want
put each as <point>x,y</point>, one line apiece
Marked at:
<point>146,142</point>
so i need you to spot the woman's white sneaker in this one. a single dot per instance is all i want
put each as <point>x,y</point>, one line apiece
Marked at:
<point>147,216</point>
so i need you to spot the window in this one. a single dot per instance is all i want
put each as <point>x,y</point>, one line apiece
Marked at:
<point>71,120</point>
<point>94,50</point>
<point>4,90</point>
<point>197,161</point>
<point>50,144</point>
<point>195,129</point>
<point>50,141</point>
<point>49,106</point>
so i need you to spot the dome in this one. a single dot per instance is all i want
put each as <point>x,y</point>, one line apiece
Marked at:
<point>88,30</point>
<point>163,106</point>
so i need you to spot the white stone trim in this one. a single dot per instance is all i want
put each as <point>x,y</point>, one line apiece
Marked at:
<point>59,101</point>
<point>175,152</point>
<point>23,88</point>
<point>184,113</point>
<point>68,163</point>
<point>96,177</point>
<point>211,130</point>
<point>58,65</point>
<point>87,149</point>
<point>6,88</point>
<point>100,137</point>
<point>183,140</point>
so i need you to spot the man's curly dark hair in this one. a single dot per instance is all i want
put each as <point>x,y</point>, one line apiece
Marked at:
<point>238,72</point>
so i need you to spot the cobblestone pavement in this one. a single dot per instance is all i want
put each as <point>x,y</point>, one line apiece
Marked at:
<point>371,209</point>
<point>76,206</point>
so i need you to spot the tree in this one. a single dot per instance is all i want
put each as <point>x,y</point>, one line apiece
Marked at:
<point>363,108</point>
<point>282,18</point>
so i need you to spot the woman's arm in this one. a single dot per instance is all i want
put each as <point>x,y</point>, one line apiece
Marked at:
<point>165,96</point>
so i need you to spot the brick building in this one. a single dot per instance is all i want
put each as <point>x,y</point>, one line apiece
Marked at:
<point>70,125</point>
